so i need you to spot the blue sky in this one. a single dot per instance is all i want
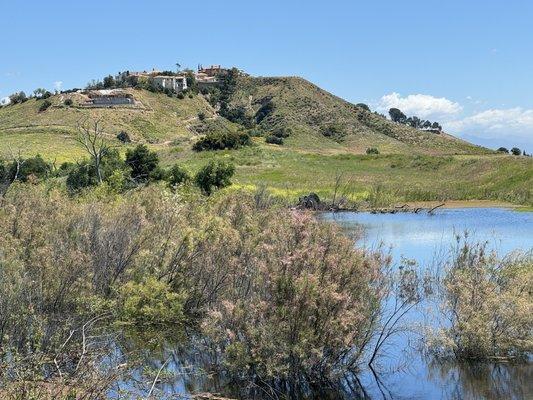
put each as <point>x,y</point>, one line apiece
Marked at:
<point>468,64</point>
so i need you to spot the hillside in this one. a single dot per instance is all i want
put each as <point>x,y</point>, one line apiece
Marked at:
<point>413,164</point>
<point>158,119</point>
<point>313,113</point>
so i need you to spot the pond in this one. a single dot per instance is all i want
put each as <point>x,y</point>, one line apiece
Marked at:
<point>404,372</point>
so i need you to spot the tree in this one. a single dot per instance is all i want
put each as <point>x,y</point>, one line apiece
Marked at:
<point>143,163</point>
<point>109,82</point>
<point>363,106</point>
<point>45,105</point>
<point>18,97</point>
<point>91,137</point>
<point>502,150</point>
<point>515,151</point>
<point>214,175</point>
<point>372,150</point>
<point>41,93</point>
<point>427,124</point>
<point>397,116</point>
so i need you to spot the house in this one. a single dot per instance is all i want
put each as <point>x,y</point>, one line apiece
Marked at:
<point>176,83</point>
<point>106,98</point>
<point>208,77</point>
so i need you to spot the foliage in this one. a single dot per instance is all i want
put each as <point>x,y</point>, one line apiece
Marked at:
<point>372,150</point>
<point>34,167</point>
<point>489,304</point>
<point>502,150</point>
<point>124,137</point>
<point>222,140</point>
<point>214,175</point>
<point>18,97</point>
<point>515,151</point>
<point>45,105</point>
<point>272,139</point>
<point>143,163</point>
<point>84,174</point>
<point>397,116</point>
<point>41,93</point>
<point>68,102</point>
<point>363,106</point>
<point>264,111</point>
<point>151,302</point>
<point>177,175</point>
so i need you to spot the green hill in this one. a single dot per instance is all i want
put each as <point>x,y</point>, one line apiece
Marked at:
<point>329,137</point>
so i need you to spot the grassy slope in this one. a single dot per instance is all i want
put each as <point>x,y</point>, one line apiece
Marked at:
<point>307,162</point>
<point>306,108</point>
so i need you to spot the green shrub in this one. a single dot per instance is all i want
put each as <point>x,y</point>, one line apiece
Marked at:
<point>201,116</point>
<point>372,150</point>
<point>274,140</point>
<point>84,174</point>
<point>177,175</point>
<point>214,175</point>
<point>487,305</point>
<point>35,167</point>
<point>143,163</point>
<point>151,302</point>
<point>68,102</point>
<point>180,96</point>
<point>222,140</point>
<point>45,105</point>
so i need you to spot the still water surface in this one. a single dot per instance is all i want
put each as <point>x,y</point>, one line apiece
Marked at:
<point>404,373</point>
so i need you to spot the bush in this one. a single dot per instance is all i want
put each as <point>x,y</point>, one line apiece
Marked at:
<point>180,96</point>
<point>151,302</point>
<point>515,151</point>
<point>222,140</point>
<point>124,137</point>
<point>372,150</point>
<point>214,175</point>
<point>143,163</point>
<point>35,167</point>
<point>502,150</point>
<point>201,116</point>
<point>274,140</point>
<point>68,102</point>
<point>363,106</point>
<point>177,176</point>
<point>487,303</point>
<point>84,174</point>
<point>44,105</point>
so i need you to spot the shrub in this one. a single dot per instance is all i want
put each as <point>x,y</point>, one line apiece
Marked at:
<point>35,167</point>
<point>502,150</point>
<point>180,96</point>
<point>124,137</point>
<point>201,116</point>
<point>363,106</point>
<point>84,174</point>
<point>282,132</point>
<point>333,131</point>
<point>214,175</point>
<point>142,162</point>
<point>515,151</point>
<point>222,140</point>
<point>264,111</point>
<point>68,102</point>
<point>151,302</point>
<point>274,140</point>
<point>309,299</point>
<point>177,175</point>
<point>372,150</point>
<point>44,105</point>
<point>488,303</point>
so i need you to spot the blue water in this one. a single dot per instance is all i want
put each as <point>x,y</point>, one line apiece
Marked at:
<point>404,371</point>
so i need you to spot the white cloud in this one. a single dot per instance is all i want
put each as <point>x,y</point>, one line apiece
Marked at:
<point>58,85</point>
<point>4,101</point>
<point>421,105</point>
<point>496,123</point>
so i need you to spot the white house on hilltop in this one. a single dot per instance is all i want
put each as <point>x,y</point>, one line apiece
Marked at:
<point>176,83</point>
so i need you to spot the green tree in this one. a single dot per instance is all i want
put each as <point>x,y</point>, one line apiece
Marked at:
<point>515,151</point>
<point>214,175</point>
<point>363,106</point>
<point>502,150</point>
<point>397,116</point>
<point>109,82</point>
<point>35,166</point>
<point>143,163</point>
